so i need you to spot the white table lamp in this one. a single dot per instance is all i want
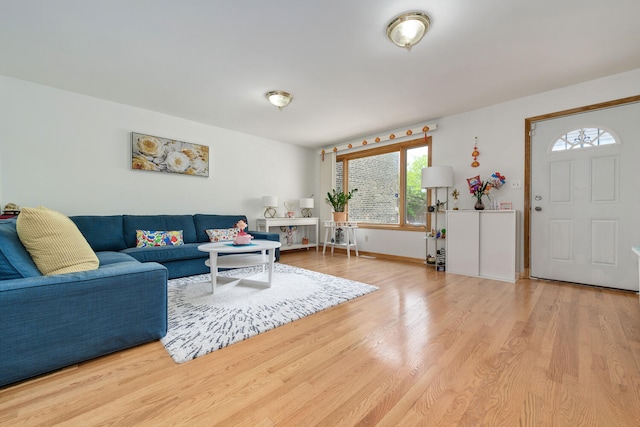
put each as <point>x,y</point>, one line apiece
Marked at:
<point>269,203</point>
<point>305,207</point>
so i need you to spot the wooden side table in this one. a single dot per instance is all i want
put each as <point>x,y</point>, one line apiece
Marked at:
<point>349,228</point>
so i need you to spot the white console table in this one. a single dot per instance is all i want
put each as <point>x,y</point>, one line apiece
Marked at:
<point>264,224</point>
<point>350,235</point>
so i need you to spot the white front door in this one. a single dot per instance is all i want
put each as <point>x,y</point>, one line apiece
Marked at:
<point>585,206</point>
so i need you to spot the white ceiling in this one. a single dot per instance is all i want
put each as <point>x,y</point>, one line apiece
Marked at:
<point>211,61</point>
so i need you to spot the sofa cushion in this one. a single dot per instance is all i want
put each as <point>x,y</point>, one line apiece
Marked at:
<point>109,258</point>
<point>158,222</point>
<point>146,238</point>
<point>222,234</point>
<point>208,222</point>
<point>104,233</point>
<point>54,242</point>
<point>15,261</point>
<point>166,253</point>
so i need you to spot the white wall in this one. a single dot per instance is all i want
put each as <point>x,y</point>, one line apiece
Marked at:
<point>72,153</point>
<point>500,132</point>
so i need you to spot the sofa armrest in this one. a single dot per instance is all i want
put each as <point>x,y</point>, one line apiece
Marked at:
<point>275,237</point>
<point>265,236</point>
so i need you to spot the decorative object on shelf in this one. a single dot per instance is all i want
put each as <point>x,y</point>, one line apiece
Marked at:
<point>269,203</point>
<point>152,153</point>
<point>11,209</point>
<point>441,259</point>
<point>289,205</point>
<point>279,98</point>
<point>305,207</point>
<point>338,200</point>
<point>305,240</point>
<point>455,194</point>
<point>479,188</point>
<point>407,29</point>
<point>242,238</point>
<point>475,155</point>
<point>506,206</point>
<point>289,230</point>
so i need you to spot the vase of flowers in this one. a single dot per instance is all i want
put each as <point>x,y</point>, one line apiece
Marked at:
<point>479,188</point>
<point>479,205</point>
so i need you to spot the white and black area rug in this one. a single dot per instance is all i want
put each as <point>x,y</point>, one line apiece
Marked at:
<point>201,322</point>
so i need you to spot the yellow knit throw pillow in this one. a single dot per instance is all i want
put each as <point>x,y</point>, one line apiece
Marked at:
<point>54,242</point>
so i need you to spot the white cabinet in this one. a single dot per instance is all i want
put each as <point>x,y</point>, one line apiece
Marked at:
<point>482,243</point>
<point>463,242</point>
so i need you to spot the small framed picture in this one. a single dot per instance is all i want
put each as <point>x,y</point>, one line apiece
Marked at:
<point>506,206</point>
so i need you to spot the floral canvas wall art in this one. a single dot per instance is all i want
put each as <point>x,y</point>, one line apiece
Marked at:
<point>152,153</point>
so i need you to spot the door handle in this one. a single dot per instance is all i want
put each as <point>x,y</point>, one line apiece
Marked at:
<point>538,208</point>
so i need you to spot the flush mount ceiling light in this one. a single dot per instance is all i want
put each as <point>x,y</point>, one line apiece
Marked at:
<point>279,98</point>
<point>408,29</point>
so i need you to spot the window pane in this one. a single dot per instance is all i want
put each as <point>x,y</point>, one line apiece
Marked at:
<point>339,173</point>
<point>583,138</point>
<point>416,204</point>
<point>377,179</point>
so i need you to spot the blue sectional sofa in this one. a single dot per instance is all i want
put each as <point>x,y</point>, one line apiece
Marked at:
<point>118,233</point>
<point>49,322</point>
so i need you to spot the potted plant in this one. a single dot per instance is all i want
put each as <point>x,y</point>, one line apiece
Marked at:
<point>338,200</point>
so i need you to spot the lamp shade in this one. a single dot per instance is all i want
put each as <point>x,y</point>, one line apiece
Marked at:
<point>306,203</point>
<point>437,176</point>
<point>269,201</point>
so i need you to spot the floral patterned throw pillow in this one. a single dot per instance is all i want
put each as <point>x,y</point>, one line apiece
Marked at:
<point>222,234</point>
<point>146,238</point>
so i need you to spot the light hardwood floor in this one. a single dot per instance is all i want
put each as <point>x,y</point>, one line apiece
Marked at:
<point>428,348</point>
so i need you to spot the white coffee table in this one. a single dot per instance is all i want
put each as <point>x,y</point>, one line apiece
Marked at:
<point>239,257</point>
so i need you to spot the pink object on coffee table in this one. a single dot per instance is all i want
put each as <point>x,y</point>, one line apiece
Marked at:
<point>243,239</point>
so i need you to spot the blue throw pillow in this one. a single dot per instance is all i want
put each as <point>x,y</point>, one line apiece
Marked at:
<point>15,261</point>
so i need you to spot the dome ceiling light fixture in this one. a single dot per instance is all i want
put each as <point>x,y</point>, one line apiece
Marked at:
<point>279,98</point>
<point>408,29</point>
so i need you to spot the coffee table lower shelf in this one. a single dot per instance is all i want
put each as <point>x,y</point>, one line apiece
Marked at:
<point>219,283</point>
<point>240,257</point>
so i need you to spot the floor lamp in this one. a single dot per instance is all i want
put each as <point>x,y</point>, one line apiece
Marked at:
<point>436,177</point>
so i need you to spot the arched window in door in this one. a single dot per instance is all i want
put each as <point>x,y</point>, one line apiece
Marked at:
<point>584,138</point>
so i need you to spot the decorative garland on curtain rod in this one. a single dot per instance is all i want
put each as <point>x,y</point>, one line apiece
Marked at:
<point>426,128</point>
